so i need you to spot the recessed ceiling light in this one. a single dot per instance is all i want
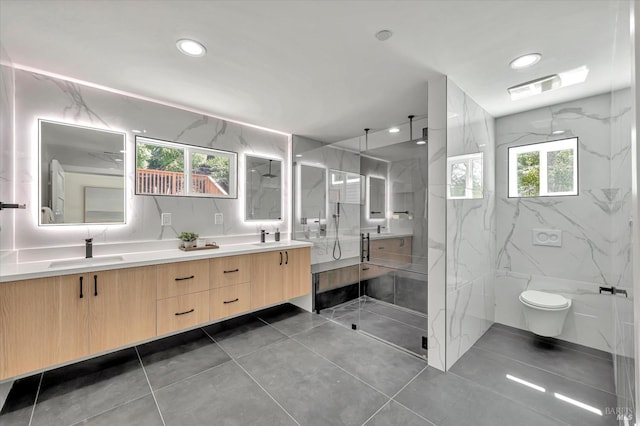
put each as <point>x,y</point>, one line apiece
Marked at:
<point>525,61</point>
<point>122,151</point>
<point>117,159</point>
<point>557,132</point>
<point>191,47</point>
<point>298,155</point>
<point>383,35</point>
<point>421,142</point>
<point>394,130</point>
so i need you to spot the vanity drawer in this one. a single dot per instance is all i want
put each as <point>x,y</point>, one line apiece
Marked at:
<point>369,270</point>
<point>177,313</point>
<point>225,271</point>
<point>231,300</point>
<point>179,278</point>
<point>392,249</point>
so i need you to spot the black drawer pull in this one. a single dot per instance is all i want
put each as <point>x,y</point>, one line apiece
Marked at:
<point>287,262</point>
<point>95,285</point>
<point>185,312</point>
<point>230,301</point>
<point>235,270</point>
<point>280,258</point>
<point>380,248</point>
<point>186,278</point>
<point>365,269</point>
<point>81,295</point>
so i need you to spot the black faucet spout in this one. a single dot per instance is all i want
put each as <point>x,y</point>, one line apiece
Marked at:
<point>88,248</point>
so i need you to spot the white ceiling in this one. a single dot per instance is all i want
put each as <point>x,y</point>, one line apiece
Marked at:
<point>314,68</point>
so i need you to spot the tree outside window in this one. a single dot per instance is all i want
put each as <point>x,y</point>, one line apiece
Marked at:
<point>544,169</point>
<point>465,176</point>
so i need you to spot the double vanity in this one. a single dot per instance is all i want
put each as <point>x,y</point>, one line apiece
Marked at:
<point>56,312</point>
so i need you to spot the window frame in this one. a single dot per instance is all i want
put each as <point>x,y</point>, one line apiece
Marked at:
<point>543,148</point>
<point>187,151</point>
<point>468,159</point>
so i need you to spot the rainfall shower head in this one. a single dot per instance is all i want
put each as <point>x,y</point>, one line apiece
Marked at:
<point>269,175</point>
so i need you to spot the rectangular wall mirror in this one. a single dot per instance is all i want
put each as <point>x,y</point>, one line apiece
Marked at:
<point>312,196</point>
<point>179,170</point>
<point>346,187</point>
<point>377,197</point>
<point>263,188</point>
<point>82,174</point>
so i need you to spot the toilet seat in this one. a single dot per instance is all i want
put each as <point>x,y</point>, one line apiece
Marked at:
<point>544,300</point>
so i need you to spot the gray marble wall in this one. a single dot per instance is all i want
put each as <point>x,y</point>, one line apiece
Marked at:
<point>595,224</point>
<point>39,96</point>
<point>471,229</point>
<point>6,156</point>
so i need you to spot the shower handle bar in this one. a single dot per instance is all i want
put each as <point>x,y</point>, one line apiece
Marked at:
<point>364,256</point>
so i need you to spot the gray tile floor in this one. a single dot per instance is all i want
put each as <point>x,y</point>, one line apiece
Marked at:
<point>283,366</point>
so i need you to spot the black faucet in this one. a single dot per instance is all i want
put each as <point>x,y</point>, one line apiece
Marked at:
<point>88,248</point>
<point>263,235</point>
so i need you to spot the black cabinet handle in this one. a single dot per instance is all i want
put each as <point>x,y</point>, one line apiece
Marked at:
<point>365,269</point>
<point>230,301</point>
<point>186,278</point>
<point>280,258</point>
<point>228,272</point>
<point>287,261</point>
<point>185,312</point>
<point>95,285</point>
<point>368,247</point>
<point>81,295</point>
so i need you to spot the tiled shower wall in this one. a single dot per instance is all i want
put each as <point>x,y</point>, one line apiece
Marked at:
<point>596,237</point>
<point>471,229</point>
<point>39,96</point>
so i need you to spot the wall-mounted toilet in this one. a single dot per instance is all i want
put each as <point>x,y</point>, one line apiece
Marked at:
<point>544,312</point>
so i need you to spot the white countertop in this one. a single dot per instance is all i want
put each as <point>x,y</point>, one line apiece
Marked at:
<point>41,269</point>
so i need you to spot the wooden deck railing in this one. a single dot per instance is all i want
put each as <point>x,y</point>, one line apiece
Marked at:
<point>162,182</point>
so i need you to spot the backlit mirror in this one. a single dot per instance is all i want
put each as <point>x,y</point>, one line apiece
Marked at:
<point>82,174</point>
<point>313,187</point>
<point>263,188</point>
<point>377,197</point>
<point>346,187</point>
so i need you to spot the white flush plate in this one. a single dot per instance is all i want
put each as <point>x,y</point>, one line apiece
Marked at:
<point>218,218</point>
<point>547,237</point>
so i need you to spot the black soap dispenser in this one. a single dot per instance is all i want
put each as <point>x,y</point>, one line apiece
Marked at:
<point>277,234</point>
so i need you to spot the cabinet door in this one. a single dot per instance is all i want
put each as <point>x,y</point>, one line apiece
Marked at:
<point>297,279</point>
<point>122,307</point>
<point>267,273</point>
<point>43,322</point>
<point>230,270</point>
<point>175,279</point>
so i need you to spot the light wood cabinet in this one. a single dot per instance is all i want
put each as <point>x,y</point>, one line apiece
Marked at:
<point>230,300</point>
<point>297,276</point>
<point>180,312</point>
<point>42,322</point>
<point>175,279</point>
<point>122,307</point>
<point>397,249</point>
<point>230,270</point>
<point>279,275</point>
<point>267,273</point>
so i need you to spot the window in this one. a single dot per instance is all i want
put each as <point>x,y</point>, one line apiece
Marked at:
<point>464,176</point>
<point>544,169</point>
<point>169,168</point>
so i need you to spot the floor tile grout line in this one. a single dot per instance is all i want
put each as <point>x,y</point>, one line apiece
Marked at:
<point>377,411</point>
<point>417,414</point>
<point>542,369</point>
<point>153,395</point>
<point>341,368</point>
<point>112,408</point>
<point>393,398</point>
<point>397,307</point>
<point>393,319</point>
<point>294,334</point>
<point>254,379</point>
<point>35,401</point>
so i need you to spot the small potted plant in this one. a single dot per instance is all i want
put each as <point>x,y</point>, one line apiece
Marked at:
<point>188,239</point>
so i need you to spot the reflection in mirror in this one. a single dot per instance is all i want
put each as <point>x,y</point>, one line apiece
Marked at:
<point>161,169</point>
<point>346,187</point>
<point>377,197</point>
<point>465,176</point>
<point>312,197</point>
<point>263,188</point>
<point>82,174</point>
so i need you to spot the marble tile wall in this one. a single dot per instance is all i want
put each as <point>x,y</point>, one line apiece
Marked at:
<point>6,157</point>
<point>39,96</point>
<point>595,224</point>
<point>437,222</point>
<point>471,229</point>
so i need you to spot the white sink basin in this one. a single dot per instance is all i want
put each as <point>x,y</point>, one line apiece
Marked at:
<point>86,262</point>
